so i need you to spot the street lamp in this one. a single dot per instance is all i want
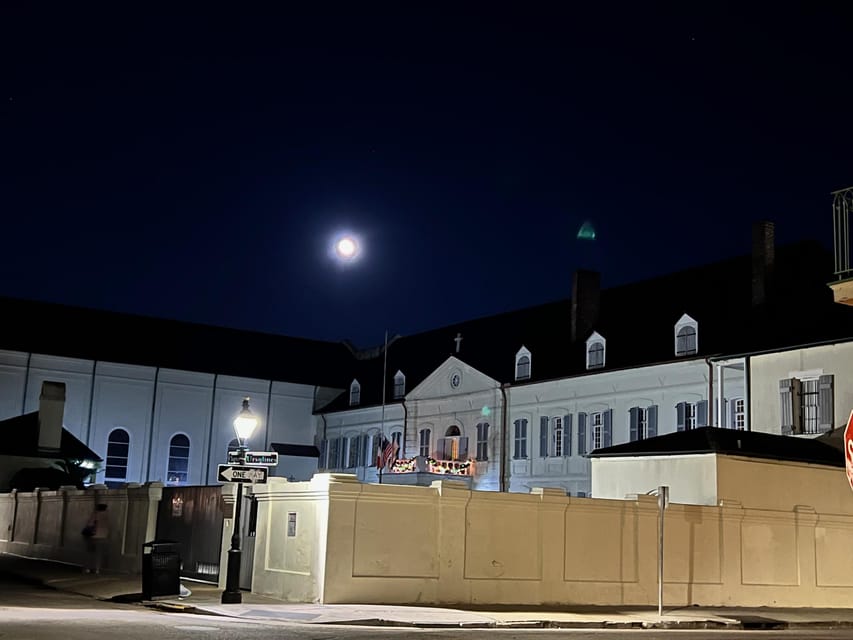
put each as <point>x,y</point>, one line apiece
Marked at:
<point>244,425</point>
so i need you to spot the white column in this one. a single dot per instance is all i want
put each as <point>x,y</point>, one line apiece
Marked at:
<point>720,420</point>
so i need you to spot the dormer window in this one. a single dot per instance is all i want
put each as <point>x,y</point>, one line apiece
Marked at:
<point>595,346</point>
<point>354,393</point>
<point>399,385</point>
<point>522,364</point>
<point>686,337</point>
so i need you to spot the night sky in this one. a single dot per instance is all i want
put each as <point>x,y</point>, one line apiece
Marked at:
<point>197,164</point>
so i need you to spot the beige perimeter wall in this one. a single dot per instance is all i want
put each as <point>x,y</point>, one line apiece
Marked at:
<point>357,542</point>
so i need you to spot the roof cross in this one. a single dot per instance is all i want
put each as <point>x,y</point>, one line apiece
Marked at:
<point>458,341</point>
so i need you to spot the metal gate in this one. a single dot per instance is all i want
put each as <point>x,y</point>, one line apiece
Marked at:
<point>192,516</point>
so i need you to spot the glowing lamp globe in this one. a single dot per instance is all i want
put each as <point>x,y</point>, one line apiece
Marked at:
<point>245,422</point>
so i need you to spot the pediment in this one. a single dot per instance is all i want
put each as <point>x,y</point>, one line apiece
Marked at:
<point>452,377</point>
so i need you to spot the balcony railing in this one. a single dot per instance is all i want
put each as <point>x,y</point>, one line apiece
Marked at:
<point>842,204</point>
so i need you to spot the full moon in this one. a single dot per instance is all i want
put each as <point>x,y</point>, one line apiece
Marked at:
<point>346,248</point>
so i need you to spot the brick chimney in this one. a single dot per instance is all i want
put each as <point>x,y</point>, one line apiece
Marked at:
<point>763,259</point>
<point>586,286</point>
<point>51,413</point>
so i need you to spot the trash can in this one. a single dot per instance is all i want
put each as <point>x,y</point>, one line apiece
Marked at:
<point>161,569</point>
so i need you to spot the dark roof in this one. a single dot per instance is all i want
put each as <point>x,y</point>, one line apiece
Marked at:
<point>751,444</point>
<point>19,436</point>
<point>75,332</point>
<point>637,321</point>
<point>300,450</point>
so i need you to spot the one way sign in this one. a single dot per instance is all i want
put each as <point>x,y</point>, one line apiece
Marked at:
<point>237,473</point>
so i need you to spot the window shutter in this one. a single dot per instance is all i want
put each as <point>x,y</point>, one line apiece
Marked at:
<point>653,421</point>
<point>826,406</point>
<point>634,423</point>
<point>463,448</point>
<point>607,421</point>
<point>439,448</point>
<point>543,436</point>
<point>786,400</point>
<point>581,434</point>
<point>567,435</point>
<point>702,413</point>
<point>680,415</point>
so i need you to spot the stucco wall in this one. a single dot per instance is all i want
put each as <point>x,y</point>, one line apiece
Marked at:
<point>767,370</point>
<point>445,544</point>
<point>47,524</point>
<point>692,479</point>
<point>772,484</point>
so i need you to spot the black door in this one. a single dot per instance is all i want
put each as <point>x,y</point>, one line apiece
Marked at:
<point>192,516</point>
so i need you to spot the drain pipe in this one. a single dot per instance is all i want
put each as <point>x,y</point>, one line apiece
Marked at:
<point>710,393</point>
<point>504,466</point>
<point>405,430</point>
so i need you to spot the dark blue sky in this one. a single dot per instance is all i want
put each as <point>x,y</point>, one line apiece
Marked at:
<point>195,164</point>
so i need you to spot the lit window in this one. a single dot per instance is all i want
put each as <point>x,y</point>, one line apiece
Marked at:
<point>355,393</point>
<point>179,459</point>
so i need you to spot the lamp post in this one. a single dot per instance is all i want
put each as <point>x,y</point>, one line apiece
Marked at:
<point>244,425</point>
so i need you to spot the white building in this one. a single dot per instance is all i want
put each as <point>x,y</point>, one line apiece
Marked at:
<point>518,400</point>
<point>156,399</point>
<point>511,401</point>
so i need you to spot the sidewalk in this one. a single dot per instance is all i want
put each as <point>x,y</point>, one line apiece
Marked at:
<point>205,599</point>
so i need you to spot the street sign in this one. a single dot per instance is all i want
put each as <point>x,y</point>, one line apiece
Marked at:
<point>848,449</point>
<point>240,473</point>
<point>262,457</point>
<point>269,458</point>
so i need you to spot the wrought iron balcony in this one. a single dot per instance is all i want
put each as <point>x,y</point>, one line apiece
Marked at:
<point>842,204</point>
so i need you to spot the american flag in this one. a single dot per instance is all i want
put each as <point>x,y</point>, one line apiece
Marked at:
<point>387,451</point>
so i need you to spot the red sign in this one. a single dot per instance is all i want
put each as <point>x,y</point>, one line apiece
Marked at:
<point>848,449</point>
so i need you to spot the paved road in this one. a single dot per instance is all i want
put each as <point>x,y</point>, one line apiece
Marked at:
<point>28,612</point>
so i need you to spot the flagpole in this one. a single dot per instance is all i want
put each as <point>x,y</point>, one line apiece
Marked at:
<point>382,422</point>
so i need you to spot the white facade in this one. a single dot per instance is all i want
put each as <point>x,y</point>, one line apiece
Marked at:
<point>549,426</point>
<point>807,389</point>
<point>153,406</point>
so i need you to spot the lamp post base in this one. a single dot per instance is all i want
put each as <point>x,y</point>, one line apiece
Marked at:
<point>232,593</point>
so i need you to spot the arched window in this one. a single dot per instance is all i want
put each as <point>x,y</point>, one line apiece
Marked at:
<point>595,351</point>
<point>179,459</point>
<point>452,431</point>
<point>686,336</point>
<point>399,385</point>
<point>685,341</point>
<point>522,364</point>
<point>355,393</point>
<point>595,356</point>
<point>118,451</point>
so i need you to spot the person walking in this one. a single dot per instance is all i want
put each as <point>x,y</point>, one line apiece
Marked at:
<point>96,533</point>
